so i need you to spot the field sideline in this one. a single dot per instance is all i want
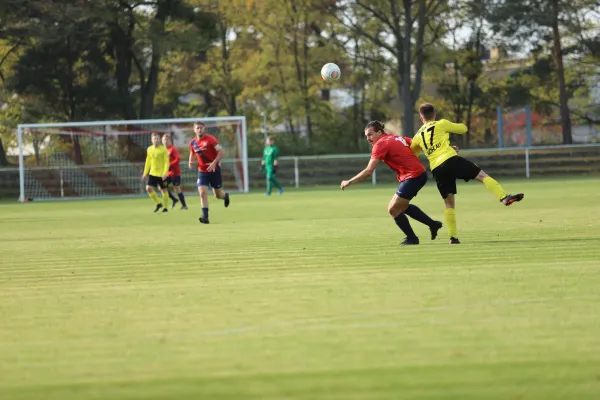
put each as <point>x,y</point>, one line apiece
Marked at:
<point>303,296</point>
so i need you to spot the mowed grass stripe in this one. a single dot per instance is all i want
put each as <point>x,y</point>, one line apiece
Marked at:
<point>102,274</point>
<point>109,274</point>
<point>581,245</point>
<point>133,269</point>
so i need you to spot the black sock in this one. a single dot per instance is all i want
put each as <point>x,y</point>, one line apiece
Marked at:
<point>172,196</point>
<point>415,213</point>
<point>403,224</point>
<point>205,213</point>
<point>182,199</point>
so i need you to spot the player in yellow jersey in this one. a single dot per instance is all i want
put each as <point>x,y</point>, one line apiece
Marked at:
<point>155,172</point>
<point>434,140</point>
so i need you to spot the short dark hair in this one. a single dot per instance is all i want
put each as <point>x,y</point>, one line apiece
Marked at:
<point>377,126</point>
<point>427,110</point>
<point>199,123</point>
<point>156,134</point>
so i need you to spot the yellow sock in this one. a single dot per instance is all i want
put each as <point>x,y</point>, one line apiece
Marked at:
<point>450,216</point>
<point>494,187</point>
<point>165,199</point>
<point>154,197</point>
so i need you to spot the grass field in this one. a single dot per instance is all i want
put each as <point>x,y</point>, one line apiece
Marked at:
<point>304,296</point>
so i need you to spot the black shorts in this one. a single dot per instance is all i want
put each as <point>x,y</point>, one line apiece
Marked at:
<point>155,181</point>
<point>410,187</point>
<point>452,169</point>
<point>212,179</point>
<point>174,180</point>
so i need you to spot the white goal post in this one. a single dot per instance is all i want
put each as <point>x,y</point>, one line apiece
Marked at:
<point>101,159</point>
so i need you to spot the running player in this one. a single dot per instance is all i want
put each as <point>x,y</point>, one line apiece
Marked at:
<point>209,152</point>
<point>395,152</point>
<point>434,139</point>
<point>174,175</point>
<point>155,172</point>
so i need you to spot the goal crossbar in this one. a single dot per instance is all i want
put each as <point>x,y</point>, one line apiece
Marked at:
<point>78,131</point>
<point>132,122</point>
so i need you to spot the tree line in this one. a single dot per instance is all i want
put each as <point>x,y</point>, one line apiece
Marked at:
<point>81,60</point>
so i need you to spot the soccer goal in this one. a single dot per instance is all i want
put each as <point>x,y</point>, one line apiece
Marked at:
<point>101,159</point>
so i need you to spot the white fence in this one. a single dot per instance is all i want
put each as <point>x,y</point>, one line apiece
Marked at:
<point>511,162</point>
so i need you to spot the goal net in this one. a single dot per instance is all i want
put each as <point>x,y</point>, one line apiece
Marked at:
<point>106,158</point>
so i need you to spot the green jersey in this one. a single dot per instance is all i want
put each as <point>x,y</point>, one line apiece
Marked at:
<point>270,154</point>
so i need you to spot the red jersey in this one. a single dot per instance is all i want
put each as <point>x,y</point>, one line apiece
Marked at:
<point>174,160</point>
<point>206,150</point>
<point>395,152</point>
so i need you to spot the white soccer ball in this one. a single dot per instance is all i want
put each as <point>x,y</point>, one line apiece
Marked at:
<point>330,72</point>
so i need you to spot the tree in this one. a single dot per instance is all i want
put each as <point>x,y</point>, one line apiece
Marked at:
<point>220,63</point>
<point>538,23</point>
<point>140,35</point>
<point>282,77</point>
<point>583,52</point>
<point>582,26</point>
<point>63,65</point>
<point>461,65</point>
<point>12,37</point>
<point>301,20</point>
<point>121,21</point>
<point>380,20</point>
<point>149,69</point>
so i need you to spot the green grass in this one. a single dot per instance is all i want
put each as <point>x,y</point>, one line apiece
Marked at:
<point>304,296</point>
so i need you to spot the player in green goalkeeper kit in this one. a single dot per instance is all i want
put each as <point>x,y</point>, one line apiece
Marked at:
<point>269,164</point>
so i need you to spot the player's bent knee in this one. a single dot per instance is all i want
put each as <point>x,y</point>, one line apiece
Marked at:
<point>149,189</point>
<point>397,205</point>
<point>401,203</point>
<point>397,208</point>
<point>481,176</point>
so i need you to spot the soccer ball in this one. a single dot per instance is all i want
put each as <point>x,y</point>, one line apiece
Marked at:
<point>330,72</point>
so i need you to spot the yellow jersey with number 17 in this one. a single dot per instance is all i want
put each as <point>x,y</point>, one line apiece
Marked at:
<point>434,139</point>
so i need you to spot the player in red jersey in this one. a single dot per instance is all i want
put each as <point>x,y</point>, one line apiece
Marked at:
<point>395,152</point>
<point>208,152</point>
<point>174,174</point>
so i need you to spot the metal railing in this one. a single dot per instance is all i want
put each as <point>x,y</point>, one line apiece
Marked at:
<point>523,162</point>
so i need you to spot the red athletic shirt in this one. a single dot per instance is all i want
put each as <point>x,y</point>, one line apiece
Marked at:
<point>395,152</point>
<point>206,150</point>
<point>174,160</point>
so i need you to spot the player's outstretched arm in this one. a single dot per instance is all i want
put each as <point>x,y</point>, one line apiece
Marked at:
<point>452,127</point>
<point>362,175</point>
